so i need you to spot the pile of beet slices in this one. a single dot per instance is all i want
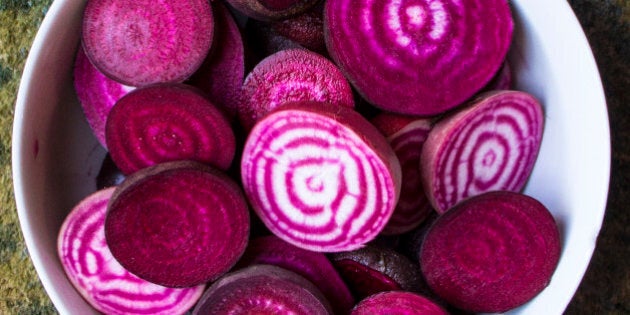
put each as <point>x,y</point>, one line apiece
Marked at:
<point>307,157</point>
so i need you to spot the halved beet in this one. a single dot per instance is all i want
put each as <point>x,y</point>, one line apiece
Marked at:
<point>140,42</point>
<point>418,57</point>
<point>491,252</point>
<point>178,224</point>
<point>262,289</point>
<point>291,75</point>
<point>490,145</point>
<point>320,176</point>
<point>97,94</point>
<point>99,278</point>
<point>269,10</point>
<point>306,29</point>
<point>313,266</point>
<point>397,302</point>
<point>168,122</point>
<point>407,135</point>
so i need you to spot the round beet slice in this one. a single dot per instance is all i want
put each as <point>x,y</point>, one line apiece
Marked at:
<point>141,42</point>
<point>168,122</point>
<point>492,252</point>
<point>262,289</point>
<point>320,176</point>
<point>397,302</point>
<point>178,224</point>
<point>490,145</point>
<point>269,10</point>
<point>99,278</point>
<point>418,57</point>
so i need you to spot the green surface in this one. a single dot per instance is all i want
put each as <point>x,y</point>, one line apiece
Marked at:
<point>605,288</point>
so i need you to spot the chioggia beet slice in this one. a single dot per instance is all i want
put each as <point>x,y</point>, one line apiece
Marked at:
<point>168,122</point>
<point>262,289</point>
<point>492,144</point>
<point>291,75</point>
<point>97,94</point>
<point>397,302</point>
<point>313,266</point>
<point>140,42</point>
<point>320,176</point>
<point>420,57</point>
<point>406,135</point>
<point>492,252</point>
<point>99,278</point>
<point>178,224</point>
<point>269,10</point>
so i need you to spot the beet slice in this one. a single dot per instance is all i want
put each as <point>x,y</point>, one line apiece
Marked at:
<point>491,252</point>
<point>291,75</point>
<point>313,266</point>
<point>99,278</point>
<point>141,42</point>
<point>490,145</point>
<point>397,302</point>
<point>407,135</point>
<point>178,224</point>
<point>320,176</point>
<point>269,10</point>
<point>306,29</point>
<point>262,289</point>
<point>97,94</point>
<point>168,122</point>
<point>418,57</point>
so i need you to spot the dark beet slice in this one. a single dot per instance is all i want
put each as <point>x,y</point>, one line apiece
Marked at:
<point>109,174</point>
<point>313,266</point>
<point>269,10</point>
<point>291,75</point>
<point>262,289</point>
<point>320,176</point>
<point>168,122</point>
<point>306,29</point>
<point>141,42</point>
<point>491,252</point>
<point>418,57</point>
<point>99,278</point>
<point>178,224</point>
<point>397,302</point>
<point>490,145</point>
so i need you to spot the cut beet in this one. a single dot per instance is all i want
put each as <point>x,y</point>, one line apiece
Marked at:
<point>109,175</point>
<point>291,75</point>
<point>306,29</point>
<point>418,57</point>
<point>99,278</point>
<point>407,135</point>
<point>269,10</point>
<point>168,122</point>
<point>142,42</point>
<point>262,289</point>
<point>398,302</point>
<point>313,266</point>
<point>97,94</point>
<point>320,176</point>
<point>490,145</point>
<point>492,252</point>
<point>178,224</point>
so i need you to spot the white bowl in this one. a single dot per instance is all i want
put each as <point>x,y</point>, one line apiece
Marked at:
<point>56,158</point>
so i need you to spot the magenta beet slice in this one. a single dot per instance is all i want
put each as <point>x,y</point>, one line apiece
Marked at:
<point>491,252</point>
<point>418,57</point>
<point>320,176</point>
<point>490,145</point>
<point>97,94</point>
<point>99,278</point>
<point>142,42</point>
<point>313,266</point>
<point>178,224</point>
<point>397,302</point>
<point>262,289</point>
<point>407,135</point>
<point>269,10</point>
<point>168,122</point>
<point>291,75</point>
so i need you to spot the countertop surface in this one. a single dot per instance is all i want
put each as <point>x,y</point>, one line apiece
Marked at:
<point>605,288</point>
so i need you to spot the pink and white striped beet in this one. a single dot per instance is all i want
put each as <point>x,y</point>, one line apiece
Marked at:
<point>320,176</point>
<point>420,57</point>
<point>490,145</point>
<point>98,276</point>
